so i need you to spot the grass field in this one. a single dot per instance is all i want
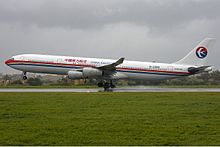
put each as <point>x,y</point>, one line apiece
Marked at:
<point>109,118</point>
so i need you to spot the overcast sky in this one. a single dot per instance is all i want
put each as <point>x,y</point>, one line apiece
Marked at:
<point>143,30</point>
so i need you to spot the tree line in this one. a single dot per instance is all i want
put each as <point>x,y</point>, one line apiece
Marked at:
<point>207,78</point>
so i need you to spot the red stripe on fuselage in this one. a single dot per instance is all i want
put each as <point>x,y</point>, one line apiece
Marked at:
<point>161,71</point>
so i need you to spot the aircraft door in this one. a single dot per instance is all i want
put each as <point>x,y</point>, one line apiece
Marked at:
<point>170,68</point>
<point>59,60</point>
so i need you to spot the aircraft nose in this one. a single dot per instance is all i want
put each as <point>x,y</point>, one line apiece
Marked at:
<point>7,61</point>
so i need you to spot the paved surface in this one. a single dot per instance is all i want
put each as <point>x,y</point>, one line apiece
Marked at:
<point>126,89</point>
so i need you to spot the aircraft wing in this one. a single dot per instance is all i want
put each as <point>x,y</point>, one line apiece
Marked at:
<point>111,67</point>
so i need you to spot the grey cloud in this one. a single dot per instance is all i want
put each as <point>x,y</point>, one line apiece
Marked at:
<point>80,14</point>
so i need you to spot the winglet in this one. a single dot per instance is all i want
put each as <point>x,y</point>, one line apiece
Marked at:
<point>120,61</point>
<point>113,65</point>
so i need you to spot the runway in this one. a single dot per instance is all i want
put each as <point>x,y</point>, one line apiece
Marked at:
<point>124,89</point>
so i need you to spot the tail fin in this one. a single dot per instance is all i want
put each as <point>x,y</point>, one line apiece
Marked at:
<point>199,54</point>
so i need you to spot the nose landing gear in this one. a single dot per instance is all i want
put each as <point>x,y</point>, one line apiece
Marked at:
<point>24,76</point>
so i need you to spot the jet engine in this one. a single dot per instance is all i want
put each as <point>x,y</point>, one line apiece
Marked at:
<point>86,72</point>
<point>89,72</point>
<point>75,75</point>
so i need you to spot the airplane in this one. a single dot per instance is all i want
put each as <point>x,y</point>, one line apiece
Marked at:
<point>107,71</point>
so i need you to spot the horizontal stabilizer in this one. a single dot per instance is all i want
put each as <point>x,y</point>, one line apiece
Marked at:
<point>195,70</point>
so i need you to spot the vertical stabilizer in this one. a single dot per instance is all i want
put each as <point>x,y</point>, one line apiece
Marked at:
<point>199,54</point>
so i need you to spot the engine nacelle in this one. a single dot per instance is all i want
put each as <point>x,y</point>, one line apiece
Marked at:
<point>75,75</point>
<point>89,72</point>
<point>86,72</point>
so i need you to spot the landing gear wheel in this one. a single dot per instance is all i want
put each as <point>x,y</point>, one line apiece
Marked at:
<point>111,84</point>
<point>106,86</point>
<point>100,84</point>
<point>24,77</point>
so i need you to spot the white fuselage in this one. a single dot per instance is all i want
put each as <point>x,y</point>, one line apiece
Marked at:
<point>127,70</point>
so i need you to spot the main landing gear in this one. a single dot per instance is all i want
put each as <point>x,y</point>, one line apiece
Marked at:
<point>106,85</point>
<point>24,76</point>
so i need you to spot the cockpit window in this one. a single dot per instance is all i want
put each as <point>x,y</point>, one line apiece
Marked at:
<point>12,59</point>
